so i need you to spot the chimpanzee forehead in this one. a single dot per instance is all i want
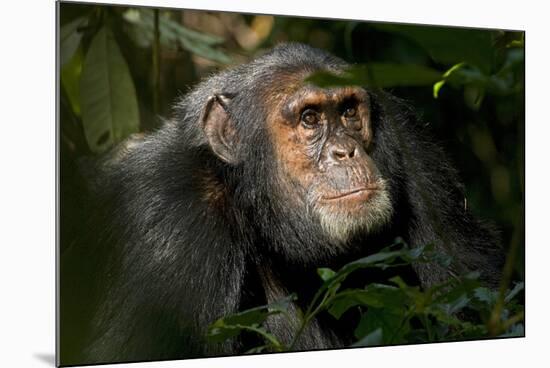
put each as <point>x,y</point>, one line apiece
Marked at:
<point>315,96</point>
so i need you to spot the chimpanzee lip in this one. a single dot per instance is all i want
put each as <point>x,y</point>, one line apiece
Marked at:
<point>353,192</point>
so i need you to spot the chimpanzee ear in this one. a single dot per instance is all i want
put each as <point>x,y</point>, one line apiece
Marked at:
<point>220,128</point>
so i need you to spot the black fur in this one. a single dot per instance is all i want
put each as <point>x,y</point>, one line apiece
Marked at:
<point>159,262</point>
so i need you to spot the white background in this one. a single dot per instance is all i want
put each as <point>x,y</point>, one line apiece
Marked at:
<point>27,182</point>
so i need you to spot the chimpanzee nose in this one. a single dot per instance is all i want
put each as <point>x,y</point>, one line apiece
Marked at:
<point>343,150</point>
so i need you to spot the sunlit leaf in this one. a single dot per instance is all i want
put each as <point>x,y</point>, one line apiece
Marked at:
<point>108,97</point>
<point>325,273</point>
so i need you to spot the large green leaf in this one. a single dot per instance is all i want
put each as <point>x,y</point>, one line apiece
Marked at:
<point>450,45</point>
<point>108,96</point>
<point>379,75</point>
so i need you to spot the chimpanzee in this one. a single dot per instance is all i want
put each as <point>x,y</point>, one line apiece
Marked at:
<point>258,179</point>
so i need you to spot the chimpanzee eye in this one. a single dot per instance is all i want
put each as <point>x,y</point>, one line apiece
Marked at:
<point>310,118</point>
<point>350,112</point>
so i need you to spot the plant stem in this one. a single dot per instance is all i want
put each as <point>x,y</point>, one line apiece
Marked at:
<point>156,65</point>
<point>308,316</point>
<point>495,325</point>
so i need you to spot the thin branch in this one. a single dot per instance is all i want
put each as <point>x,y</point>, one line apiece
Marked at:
<point>156,65</point>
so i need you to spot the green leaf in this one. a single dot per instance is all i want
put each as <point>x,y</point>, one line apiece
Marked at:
<point>378,75</point>
<point>372,339</point>
<point>486,296</point>
<point>512,293</point>
<point>69,39</point>
<point>325,273</point>
<point>108,96</point>
<point>351,298</point>
<point>250,319</point>
<point>515,58</point>
<point>70,80</point>
<point>257,349</point>
<point>476,82</point>
<point>448,45</point>
<point>454,292</point>
<point>473,96</point>
<point>457,304</point>
<point>443,316</point>
<point>382,260</point>
<point>438,85</point>
<point>224,332</point>
<point>374,295</point>
<point>282,305</point>
<point>221,332</point>
<point>391,322</point>
<point>256,316</point>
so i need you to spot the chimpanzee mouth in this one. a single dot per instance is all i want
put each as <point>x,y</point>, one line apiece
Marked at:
<point>355,194</point>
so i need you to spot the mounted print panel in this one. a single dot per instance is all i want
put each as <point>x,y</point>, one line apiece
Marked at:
<point>245,184</point>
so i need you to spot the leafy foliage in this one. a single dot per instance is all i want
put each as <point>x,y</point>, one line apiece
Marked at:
<point>96,78</point>
<point>471,54</point>
<point>391,312</point>
<point>448,45</point>
<point>108,97</point>
<point>251,320</point>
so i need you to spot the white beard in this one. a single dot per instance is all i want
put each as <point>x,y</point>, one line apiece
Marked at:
<point>340,226</point>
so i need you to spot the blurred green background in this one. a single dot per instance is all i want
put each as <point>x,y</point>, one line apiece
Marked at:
<point>122,68</point>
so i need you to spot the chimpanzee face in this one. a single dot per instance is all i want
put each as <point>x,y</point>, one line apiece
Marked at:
<point>322,139</point>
